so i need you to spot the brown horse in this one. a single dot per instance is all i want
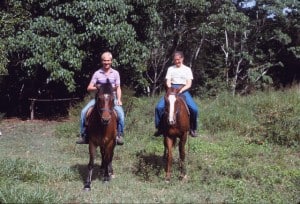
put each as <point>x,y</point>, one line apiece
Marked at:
<point>102,131</point>
<point>176,124</point>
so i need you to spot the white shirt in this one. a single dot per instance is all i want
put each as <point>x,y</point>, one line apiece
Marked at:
<point>179,75</point>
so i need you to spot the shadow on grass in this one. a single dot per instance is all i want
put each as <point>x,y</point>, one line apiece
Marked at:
<point>148,165</point>
<point>83,172</point>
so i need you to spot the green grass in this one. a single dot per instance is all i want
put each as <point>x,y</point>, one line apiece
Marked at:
<point>231,162</point>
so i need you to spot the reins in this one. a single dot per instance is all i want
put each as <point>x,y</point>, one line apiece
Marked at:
<point>101,110</point>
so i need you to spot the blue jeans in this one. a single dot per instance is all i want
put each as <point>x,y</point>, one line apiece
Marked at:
<point>118,109</point>
<point>159,110</point>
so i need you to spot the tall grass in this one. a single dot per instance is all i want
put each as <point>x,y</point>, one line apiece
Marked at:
<point>263,117</point>
<point>22,173</point>
<point>238,157</point>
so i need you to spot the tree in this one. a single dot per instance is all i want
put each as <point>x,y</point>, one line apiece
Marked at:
<point>232,37</point>
<point>12,16</point>
<point>169,31</point>
<point>273,39</point>
<point>64,37</point>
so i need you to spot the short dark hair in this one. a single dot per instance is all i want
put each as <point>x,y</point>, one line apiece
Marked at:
<point>178,53</point>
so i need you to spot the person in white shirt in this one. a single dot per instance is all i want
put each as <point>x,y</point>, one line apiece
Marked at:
<point>178,75</point>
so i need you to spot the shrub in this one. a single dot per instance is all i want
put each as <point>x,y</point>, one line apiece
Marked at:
<point>279,124</point>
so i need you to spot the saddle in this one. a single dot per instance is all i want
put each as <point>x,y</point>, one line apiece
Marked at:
<point>87,116</point>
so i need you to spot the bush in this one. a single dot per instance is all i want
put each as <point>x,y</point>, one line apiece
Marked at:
<point>279,124</point>
<point>264,116</point>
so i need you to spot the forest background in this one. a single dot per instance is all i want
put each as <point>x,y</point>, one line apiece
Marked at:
<point>50,48</point>
<point>248,145</point>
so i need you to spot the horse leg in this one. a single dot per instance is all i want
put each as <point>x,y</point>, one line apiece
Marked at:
<point>168,143</point>
<point>165,153</point>
<point>182,166</point>
<point>110,166</point>
<point>106,162</point>
<point>111,170</point>
<point>92,151</point>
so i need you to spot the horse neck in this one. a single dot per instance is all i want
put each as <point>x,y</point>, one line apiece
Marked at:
<point>181,108</point>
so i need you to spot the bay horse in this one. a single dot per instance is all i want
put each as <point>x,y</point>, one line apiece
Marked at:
<point>176,124</point>
<point>102,131</point>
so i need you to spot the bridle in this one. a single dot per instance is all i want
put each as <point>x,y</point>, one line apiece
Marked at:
<point>171,100</point>
<point>105,111</point>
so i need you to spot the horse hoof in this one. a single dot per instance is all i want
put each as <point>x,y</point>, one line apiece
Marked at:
<point>113,176</point>
<point>87,189</point>
<point>184,177</point>
<point>167,180</point>
<point>106,179</point>
<point>105,182</point>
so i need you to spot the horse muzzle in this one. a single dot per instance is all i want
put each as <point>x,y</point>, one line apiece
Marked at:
<point>172,122</point>
<point>105,120</point>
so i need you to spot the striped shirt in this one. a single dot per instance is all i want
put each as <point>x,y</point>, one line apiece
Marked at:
<point>100,76</point>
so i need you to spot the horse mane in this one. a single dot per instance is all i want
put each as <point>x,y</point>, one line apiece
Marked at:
<point>172,90</point>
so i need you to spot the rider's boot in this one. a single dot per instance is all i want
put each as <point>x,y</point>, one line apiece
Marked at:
<point>120,138</point>
<point>83,139</point>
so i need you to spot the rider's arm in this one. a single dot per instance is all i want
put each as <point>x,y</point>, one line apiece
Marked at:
<point>168,83</point>
<point>186,86</point>
<point>119,95</point>
<point>91,87</point>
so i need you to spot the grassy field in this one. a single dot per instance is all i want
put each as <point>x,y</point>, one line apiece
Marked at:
<point>247,152</point>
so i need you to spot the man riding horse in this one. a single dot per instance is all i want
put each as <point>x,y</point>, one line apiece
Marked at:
<point>101,76</point>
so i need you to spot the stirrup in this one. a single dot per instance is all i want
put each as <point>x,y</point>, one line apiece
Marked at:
<point>193,133</point>
<point>119,139</point>
<point>82,141</point>
<point>157,133</point>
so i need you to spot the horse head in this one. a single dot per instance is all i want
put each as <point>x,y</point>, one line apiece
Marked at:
<point>104,101</point>
<point>171,101</point>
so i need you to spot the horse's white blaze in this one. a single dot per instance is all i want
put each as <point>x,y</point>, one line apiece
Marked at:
<point>172,100</point>
<point>106,96</point>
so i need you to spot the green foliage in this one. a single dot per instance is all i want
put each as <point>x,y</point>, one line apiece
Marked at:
<point>279,124</point>
<point>51,46</point>
<point>225,113</point>
<point>227,46</point>
<point>223,166</point>
<point>23,171</point>
<point>9,23</point>
<point>20,170</point>
<point>65,130</point>
<point>11,193</point>
<point>62,36</point>
<point>3,59</point>
<point>272,117</point>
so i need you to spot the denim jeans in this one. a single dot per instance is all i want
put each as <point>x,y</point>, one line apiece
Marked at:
<point>159,110</point>
<point>118,109</point>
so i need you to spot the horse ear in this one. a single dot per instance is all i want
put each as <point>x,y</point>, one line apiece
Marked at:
<point>98,85</point>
